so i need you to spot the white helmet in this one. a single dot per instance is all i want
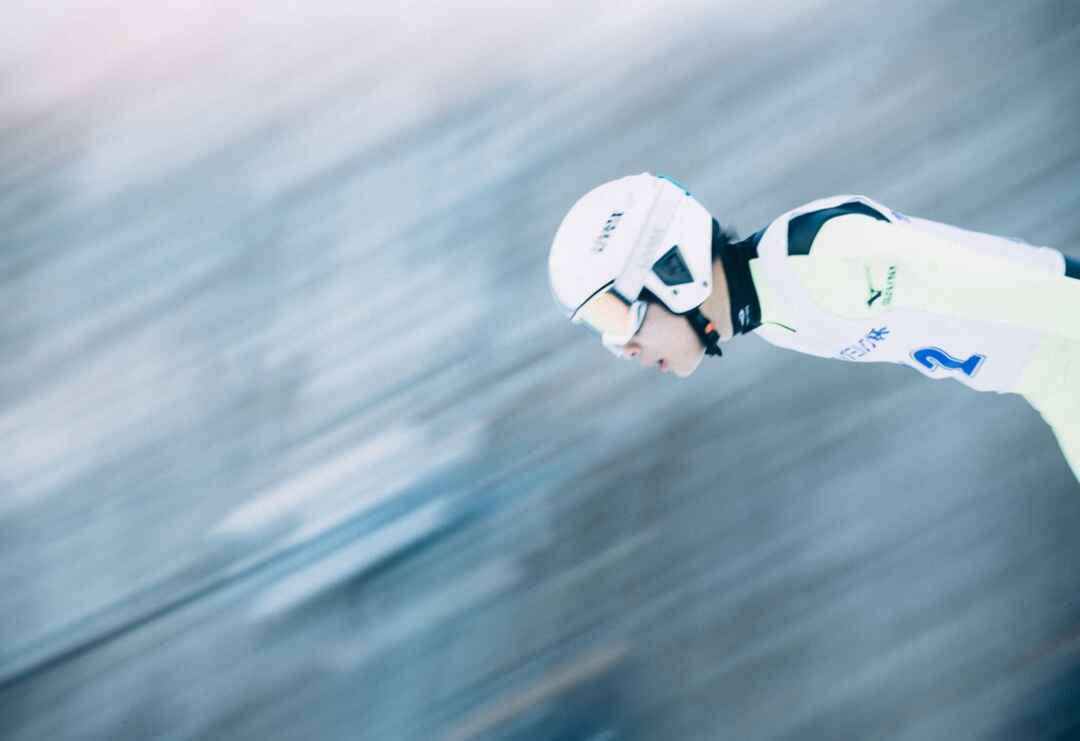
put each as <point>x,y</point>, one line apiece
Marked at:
<point>637,232</point>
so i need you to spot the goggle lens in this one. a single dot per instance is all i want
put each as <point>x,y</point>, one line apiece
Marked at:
<point>612,317</point>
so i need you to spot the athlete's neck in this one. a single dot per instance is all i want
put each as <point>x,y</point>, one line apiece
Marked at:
<point>717,306</point>
<point>733,306</point>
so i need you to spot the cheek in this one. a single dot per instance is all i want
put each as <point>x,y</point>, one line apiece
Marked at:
<point>684,347</point>
<point>659,330</point>
<point>667,335</point>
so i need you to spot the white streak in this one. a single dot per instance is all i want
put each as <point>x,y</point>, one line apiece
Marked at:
<point>291,495</point>
<point>427,612</point>
<point>330,572</point>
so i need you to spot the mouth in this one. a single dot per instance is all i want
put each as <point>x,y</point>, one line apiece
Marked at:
<point>663,365</point>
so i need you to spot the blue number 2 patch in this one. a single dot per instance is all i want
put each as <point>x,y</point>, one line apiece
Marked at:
<point>932,358</point>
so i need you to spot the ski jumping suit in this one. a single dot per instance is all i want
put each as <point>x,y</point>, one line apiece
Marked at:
<point>845,277</point>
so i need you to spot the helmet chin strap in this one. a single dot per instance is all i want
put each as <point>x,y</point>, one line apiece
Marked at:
<point>705,331</point>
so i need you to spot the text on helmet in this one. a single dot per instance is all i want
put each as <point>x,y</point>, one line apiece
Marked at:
<point>612,222</point>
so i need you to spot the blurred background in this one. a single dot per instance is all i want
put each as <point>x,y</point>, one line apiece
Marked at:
<point>296,445</point>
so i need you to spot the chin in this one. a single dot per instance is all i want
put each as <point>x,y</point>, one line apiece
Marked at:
<point>689,370</point>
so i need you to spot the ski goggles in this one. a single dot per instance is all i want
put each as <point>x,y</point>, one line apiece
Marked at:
<point>614,318</point>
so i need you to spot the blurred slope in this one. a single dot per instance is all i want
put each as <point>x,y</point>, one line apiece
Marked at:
<point>296,444</point>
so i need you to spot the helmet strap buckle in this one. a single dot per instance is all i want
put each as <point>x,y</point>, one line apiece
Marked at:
<point>705,330</point>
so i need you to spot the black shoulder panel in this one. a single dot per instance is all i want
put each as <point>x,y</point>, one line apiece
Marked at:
<point>804,227</point>
<point>1072,267</point>
<point>753,240</point>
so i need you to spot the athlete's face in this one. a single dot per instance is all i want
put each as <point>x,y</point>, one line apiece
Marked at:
<point>666,341</point>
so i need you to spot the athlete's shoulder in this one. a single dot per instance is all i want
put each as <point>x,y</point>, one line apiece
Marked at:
<point>804,224</point>
<point>798,230</point>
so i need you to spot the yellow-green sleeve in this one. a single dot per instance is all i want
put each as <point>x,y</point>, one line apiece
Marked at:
<point>920,271</point>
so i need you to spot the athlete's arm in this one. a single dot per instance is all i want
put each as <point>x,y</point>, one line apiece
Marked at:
<point>861,267</point>
<point>854,255</point>
<point>857,235</point>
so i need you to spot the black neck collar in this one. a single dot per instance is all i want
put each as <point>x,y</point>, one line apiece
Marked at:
<point>735,259</point>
